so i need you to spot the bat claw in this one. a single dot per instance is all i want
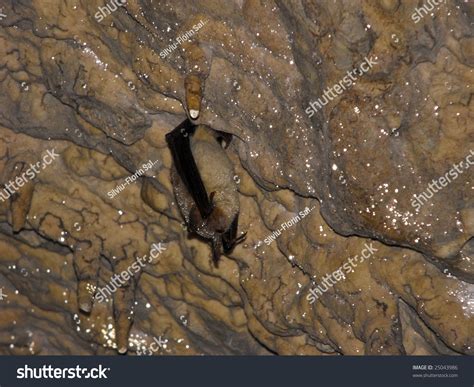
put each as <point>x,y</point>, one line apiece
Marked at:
<point>241,238</point>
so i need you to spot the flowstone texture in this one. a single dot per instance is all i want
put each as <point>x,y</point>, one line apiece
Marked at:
<point>102,93</point>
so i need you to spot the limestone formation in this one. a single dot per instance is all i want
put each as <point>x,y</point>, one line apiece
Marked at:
<point>97,87</point>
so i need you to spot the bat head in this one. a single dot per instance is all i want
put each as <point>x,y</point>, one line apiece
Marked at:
<point>218,229</point>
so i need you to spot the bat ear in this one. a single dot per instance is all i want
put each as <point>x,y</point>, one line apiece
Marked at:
<point>195,219</point>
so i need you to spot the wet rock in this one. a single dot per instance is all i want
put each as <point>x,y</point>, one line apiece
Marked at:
<point>316,190</point>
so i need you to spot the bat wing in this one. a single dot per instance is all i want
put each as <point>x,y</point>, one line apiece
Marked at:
<point>229,237</point>
<point>178,142</point>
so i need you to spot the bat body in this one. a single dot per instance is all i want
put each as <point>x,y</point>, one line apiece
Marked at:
<point>204,186</point>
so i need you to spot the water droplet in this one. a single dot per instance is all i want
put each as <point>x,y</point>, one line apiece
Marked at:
<point>236,85</point>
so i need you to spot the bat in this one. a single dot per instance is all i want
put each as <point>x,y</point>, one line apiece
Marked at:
<point>203,183</point>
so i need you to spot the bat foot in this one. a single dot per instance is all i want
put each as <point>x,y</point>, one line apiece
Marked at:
<point>241,238</point>
<point>224,139</point>
<point>229,246</point>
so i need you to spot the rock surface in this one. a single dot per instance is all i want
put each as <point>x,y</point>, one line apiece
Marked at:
<point>102,93</point>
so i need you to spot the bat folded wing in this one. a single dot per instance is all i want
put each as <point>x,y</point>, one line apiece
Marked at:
<point>179,145</point>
